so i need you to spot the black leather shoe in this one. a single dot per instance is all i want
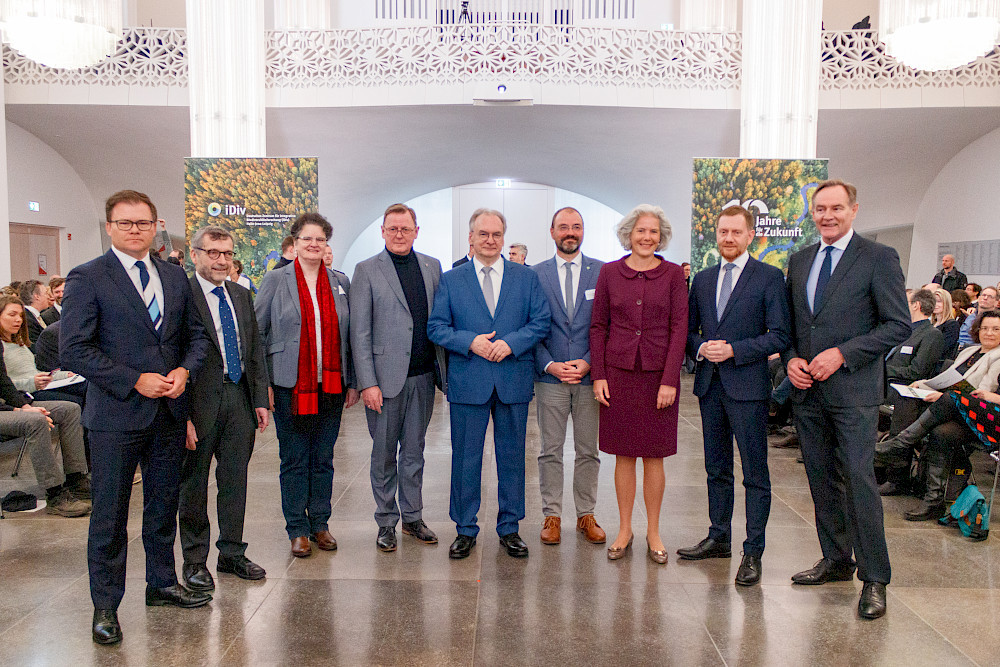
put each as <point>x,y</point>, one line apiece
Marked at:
<point>241,566</point>
<point>749,572</point>
<point>175,596</point>
<point>514,545</point>
<point>419,530</point>
<point>386,540</point>
<point>925,512</point>
<point>872,602</point>
<point>197,577</point>
<point>823,571</point>
<point>461,547</point>
<point>106,628</point>
<point>707,548</point>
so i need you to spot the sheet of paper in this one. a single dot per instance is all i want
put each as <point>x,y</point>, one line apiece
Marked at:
<point>944,380</point>
<point>59,384</point>
<point>911,392</point>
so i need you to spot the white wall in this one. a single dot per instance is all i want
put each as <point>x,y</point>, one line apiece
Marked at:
<point>35,172</point>
<point>899,238</point>
<point>959,205</point>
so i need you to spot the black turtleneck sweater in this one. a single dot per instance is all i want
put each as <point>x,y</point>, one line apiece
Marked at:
<point>421,349</point>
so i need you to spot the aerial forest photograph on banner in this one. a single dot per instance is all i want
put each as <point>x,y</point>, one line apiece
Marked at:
<point>777,192</point>
<point>255,199</point>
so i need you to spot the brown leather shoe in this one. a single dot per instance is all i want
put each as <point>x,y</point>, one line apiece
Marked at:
<point>324,540</point>
<point>587,524</point>
<point>301,547</point>
<point>550,530</point>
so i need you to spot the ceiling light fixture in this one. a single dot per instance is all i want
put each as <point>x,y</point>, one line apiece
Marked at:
<point>67,34</point>
<point>937,35</point>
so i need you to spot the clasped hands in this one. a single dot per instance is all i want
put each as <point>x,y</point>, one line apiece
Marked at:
<point>570,372</point>
<point>716,351</point>
<point>823,365</point>
<point>154,385</point>
<point>489,349</point>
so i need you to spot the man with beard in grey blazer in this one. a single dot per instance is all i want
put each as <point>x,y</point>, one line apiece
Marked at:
<point>397,368</point>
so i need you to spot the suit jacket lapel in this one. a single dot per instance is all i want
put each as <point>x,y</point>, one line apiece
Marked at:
<point>474,286</point>
<point>242,318</point>
<point>551,274</point>
<point>803,278</point>
<point>425,272</point>
<point>851,254</point>
<point>293,288</point>
<point>710,283</point>
<point>389,271</point>
<point>205,311</point>
<point>171,296</point>
<point>125,285</point>
<point>738,288</point>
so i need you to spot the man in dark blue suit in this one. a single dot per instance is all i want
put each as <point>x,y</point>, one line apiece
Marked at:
<point>737,317</point>
<point>488,314</point>
<point>131,327</point>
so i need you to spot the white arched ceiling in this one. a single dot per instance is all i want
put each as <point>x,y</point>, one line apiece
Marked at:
<point>370,157</point>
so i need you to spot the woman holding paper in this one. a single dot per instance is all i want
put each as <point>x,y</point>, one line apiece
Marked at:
<point>956,417</point>
<point>21,362</point>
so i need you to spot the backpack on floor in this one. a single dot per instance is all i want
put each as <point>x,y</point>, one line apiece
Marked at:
<point>970,513</point>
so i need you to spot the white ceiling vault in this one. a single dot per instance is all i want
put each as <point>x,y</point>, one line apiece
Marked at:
<point>370,157</point>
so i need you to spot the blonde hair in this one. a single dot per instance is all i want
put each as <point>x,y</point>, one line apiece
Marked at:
<point>947,312</point>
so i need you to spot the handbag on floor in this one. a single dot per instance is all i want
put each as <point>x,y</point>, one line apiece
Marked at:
<point>970,513</point>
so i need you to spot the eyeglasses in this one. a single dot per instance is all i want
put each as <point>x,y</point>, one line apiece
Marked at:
<point>310,239</point>
<point>215,254</point>
<point>142,225</point>
<point>395,231</point>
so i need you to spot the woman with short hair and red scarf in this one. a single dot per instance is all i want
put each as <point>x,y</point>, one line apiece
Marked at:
<point>303,316</point>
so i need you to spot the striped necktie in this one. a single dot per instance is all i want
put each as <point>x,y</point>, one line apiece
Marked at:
<point>149,296</point>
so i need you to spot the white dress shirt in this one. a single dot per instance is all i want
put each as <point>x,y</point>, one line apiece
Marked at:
<point>129,263</point>
<point>496,275</point>
<point>840,245</point>
<point>213,308</point>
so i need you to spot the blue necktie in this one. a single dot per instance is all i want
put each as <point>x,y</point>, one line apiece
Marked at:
<point>230,343</point>
<point>148,295</point>
<point>824,278</point>
<point>726,291</point>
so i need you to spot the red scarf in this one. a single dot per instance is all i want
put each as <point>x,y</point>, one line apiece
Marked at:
<point>305,398</point>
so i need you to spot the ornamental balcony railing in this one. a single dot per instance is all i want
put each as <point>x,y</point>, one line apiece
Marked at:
<point>456,54</point>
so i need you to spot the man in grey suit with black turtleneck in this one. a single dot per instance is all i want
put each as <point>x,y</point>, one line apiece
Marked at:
<point>397,368</point>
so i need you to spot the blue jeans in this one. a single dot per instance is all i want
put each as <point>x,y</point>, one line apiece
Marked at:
<point>305,446</point>
<point>781,393</point>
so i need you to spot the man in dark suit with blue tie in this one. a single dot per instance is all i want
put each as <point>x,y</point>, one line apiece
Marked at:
<point>737,317</point>
<point>131,328</point>
<point>848,304</point>
<point>562,382</point>
<point>489,314</point>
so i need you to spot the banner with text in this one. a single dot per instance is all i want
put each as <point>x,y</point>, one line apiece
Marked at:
<point>255,199</point>
<point>776,192</point>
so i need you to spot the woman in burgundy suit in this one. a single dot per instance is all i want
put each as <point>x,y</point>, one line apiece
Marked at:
<point>637,337</point>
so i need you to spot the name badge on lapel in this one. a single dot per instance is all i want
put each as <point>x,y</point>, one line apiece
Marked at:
<point>589,294</point>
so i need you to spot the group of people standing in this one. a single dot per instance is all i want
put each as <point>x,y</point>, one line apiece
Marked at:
<point>182,370</point>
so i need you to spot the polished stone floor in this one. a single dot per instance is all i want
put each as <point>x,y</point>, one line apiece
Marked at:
<point>564,604</point>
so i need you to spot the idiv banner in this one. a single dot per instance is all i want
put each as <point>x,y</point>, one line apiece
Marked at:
<point>778,194</point>
<point>254,198</point>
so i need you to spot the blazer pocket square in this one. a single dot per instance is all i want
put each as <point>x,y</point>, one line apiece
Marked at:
<point>341,288</point>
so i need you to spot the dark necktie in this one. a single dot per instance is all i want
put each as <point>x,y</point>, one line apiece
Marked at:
<point>149,296</point>
<point>231,345</point>
<point>824,278</point>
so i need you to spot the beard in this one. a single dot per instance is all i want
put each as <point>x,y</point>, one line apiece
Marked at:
<point>568,245</point>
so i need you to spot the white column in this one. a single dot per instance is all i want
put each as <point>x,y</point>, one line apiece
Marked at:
<point>225,41</point>
<point>699,15</point>
<point>782,41</point>
<point>302,15</point>
<point>4,203</point>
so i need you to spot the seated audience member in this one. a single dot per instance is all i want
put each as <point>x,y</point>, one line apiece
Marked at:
<point>987,301</point>
<point>35,298</point>
<point>47,349</point>
<point>21,362</point>
<point>57,285</point>
<point>67,487</point>
<point>917,357</point>
<point>944,320</point>
<point>973,290</point>
<point>980,366</point>
<point>960,303</point>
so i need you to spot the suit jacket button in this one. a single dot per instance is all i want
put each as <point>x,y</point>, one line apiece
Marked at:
<point>638,302</point>
<point>638,333</point>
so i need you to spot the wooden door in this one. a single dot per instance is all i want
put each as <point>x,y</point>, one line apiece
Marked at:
<point>34,252</point>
